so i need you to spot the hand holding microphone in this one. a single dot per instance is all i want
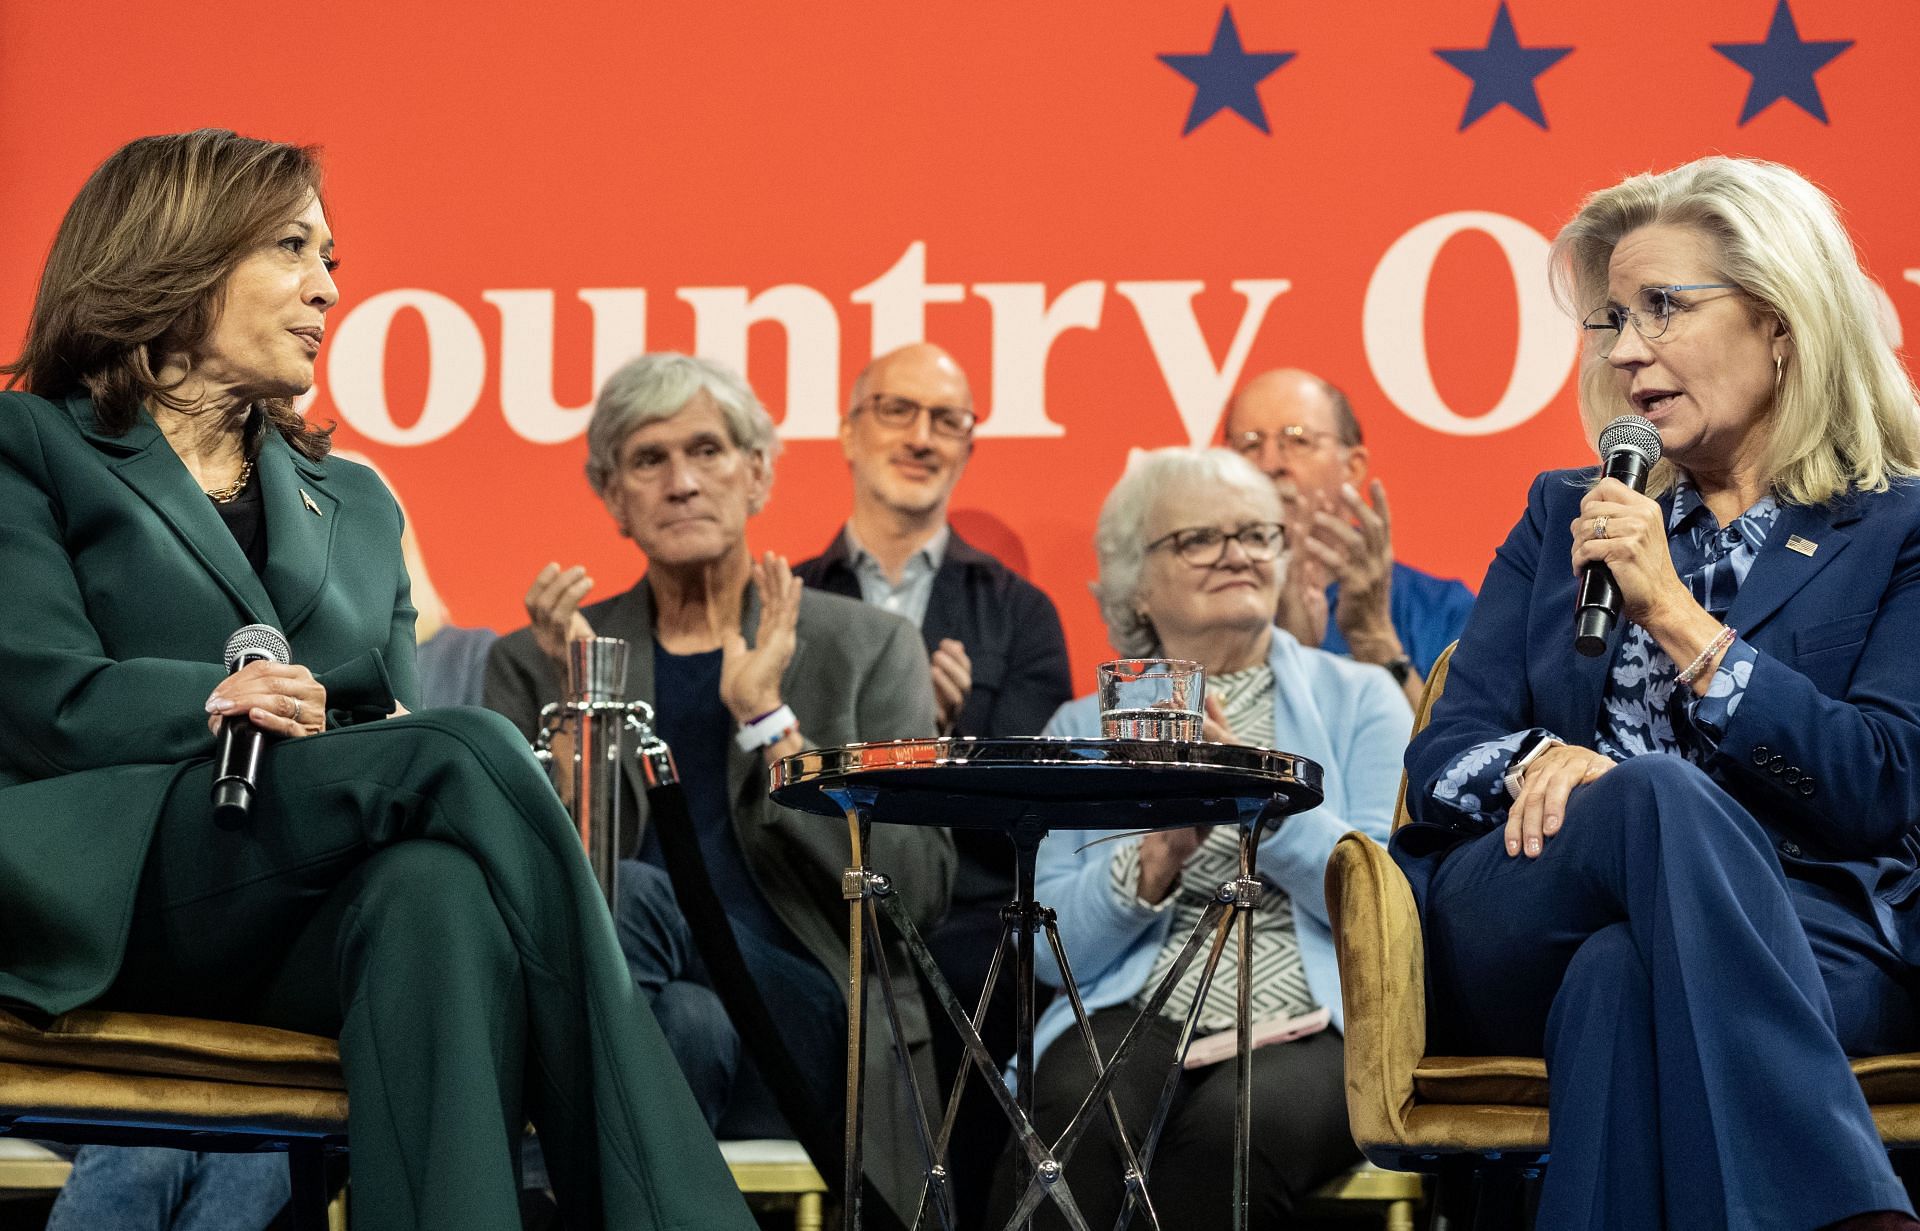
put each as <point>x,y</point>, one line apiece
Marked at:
<point>265,694</point>
<point>1612,523</point>
<point>1620,549</point>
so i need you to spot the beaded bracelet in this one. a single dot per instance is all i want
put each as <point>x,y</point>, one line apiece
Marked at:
<point>1694,668</point>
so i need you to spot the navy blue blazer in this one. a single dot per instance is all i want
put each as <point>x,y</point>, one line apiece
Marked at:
<point>1824,749</point>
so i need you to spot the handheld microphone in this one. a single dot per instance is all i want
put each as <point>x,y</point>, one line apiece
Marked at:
<point>1630,446</point>
<point>236,762</point>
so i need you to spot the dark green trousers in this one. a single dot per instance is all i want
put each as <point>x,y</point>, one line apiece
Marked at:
<point>415,887</point>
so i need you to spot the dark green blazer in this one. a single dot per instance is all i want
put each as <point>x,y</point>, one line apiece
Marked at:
<point>121,585</point>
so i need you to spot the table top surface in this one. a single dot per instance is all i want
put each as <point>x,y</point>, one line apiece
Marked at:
<point>1054,783</point>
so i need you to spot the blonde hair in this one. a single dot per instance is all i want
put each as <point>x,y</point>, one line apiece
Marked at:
<point>1844,414</point>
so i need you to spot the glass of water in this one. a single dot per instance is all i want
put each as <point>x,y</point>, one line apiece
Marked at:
<point>1152,698</point>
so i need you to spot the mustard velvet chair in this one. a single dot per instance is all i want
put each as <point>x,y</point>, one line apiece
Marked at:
<point>775,1171</point>
<point>1411,1111</point>
<point>91,1077</point>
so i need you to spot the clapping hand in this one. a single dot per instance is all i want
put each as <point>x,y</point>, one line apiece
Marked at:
<point>553,606</point>
<point>750,676</point>
<point>1214,725</point>
<point>1162,854</point>
<point>952,681</point>
<point>1303,601</point>
<point>1352,540</point>
<point>1165,851</point>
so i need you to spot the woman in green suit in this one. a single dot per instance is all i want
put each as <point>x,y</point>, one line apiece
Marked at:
<point>409,883</point>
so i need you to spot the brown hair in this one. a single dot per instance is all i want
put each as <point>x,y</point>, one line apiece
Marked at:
<point>139,264</point>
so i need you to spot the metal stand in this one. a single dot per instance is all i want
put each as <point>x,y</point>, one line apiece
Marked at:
<point>595,722</point>
<point>1259,794</point>
<point>1040,1174</point>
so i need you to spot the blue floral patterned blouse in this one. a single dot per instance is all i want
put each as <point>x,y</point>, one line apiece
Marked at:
<point>1642,710</point>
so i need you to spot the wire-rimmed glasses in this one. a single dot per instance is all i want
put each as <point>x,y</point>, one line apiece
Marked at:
<point>1653,310</point>
<point>894,411</point>
<point>1294,438</point>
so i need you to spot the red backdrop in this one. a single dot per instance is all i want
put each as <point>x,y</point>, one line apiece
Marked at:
<point>524,199</point>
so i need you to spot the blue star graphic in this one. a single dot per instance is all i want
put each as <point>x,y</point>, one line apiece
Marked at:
<point>1503,71</point>
<point>1783,66</point>
<point>1226,76</point>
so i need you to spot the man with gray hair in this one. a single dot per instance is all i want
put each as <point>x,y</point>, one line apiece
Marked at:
<point>1347,594</point>
<point>743,666</point>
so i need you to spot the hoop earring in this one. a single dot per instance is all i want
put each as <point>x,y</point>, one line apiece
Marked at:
<point>1779,370</point>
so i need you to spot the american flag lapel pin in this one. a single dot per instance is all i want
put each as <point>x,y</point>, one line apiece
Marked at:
<point>315,509</point>
<point>1805,547</point>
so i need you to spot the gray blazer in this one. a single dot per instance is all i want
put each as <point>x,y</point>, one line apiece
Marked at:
<point>857,674</point>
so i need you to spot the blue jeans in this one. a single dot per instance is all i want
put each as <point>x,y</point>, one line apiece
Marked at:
<point>665,963</point>
<point>144,1188</point>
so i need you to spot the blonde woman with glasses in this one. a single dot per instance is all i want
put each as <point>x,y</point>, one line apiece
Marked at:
<point>1685,870</point>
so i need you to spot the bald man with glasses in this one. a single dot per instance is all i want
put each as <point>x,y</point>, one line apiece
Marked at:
<point>1345,592</point>
<point>995,649</point>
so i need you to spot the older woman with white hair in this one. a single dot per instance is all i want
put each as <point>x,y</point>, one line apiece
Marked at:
<point>742,668</point>
<point>1687,868</point>
<point>1192,547</point>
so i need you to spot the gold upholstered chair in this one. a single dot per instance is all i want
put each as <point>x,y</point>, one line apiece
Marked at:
<point>91,1077</point>
<point>1466,1115</point>
<point>137,1079</point>
<point>775,1171</point>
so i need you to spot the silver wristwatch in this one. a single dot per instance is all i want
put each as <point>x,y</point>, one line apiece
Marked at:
<point>1517,768</point>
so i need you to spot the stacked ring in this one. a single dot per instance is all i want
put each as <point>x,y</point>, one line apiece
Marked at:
<point>1600,527</point>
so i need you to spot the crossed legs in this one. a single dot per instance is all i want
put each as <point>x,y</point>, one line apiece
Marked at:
<point>415,886</point>
<point>1657,952</point>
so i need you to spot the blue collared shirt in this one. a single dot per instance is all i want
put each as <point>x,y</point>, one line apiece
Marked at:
<point>910,596</point>
<point>1643,709</point>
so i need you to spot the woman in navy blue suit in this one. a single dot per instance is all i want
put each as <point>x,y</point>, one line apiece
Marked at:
<point>1686,868</point>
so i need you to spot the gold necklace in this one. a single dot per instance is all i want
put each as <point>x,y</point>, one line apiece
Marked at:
<point>231,492</point>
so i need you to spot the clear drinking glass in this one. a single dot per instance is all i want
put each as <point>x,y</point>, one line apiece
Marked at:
<point>1152,698</point>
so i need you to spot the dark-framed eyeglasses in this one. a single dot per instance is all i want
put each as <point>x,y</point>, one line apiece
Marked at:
<point>1650,314</point>
<point>891,410</point>
<point>1205,546</point>
<point>1293,438</point>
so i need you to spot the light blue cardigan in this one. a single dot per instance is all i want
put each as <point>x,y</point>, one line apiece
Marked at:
<point>1350,718</point>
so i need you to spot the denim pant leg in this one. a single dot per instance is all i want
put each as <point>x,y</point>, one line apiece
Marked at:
<point>126,1188</point>
<point>232,1191</point>
<point>664,959</point>
<point>145,1188</point>
<point>813,1018</point>
<point>665,963</point>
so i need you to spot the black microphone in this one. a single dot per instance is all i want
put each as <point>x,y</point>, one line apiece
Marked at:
<point>236,759</point>
<point>1630,447</point>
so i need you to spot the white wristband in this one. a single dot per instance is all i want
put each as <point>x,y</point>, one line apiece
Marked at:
<point>766,731</point>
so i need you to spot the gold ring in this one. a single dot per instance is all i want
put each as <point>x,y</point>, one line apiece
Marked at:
<point>1600,527</point>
